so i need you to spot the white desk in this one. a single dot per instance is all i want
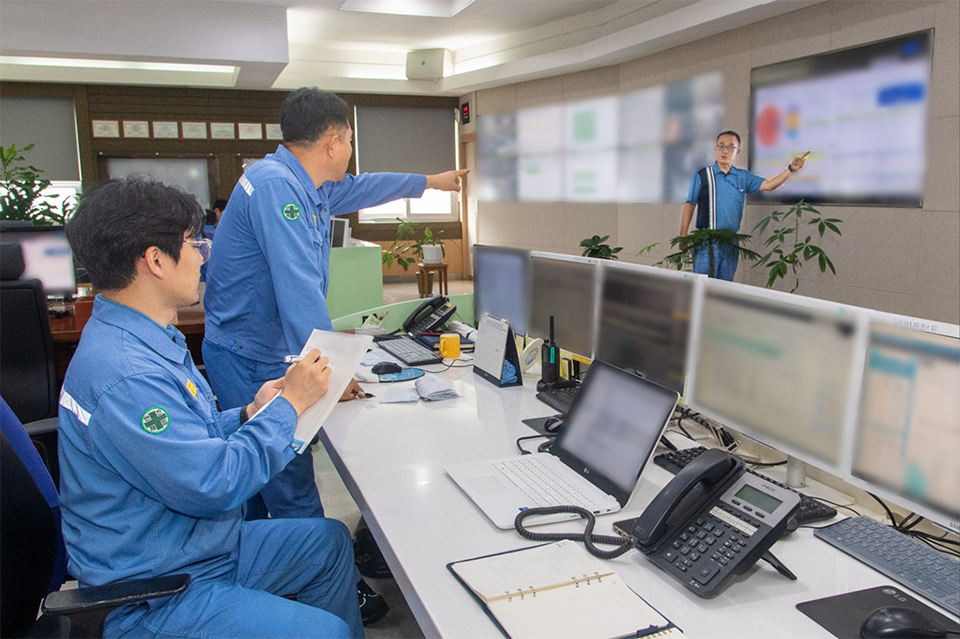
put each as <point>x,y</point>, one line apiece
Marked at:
<point>391,458</point>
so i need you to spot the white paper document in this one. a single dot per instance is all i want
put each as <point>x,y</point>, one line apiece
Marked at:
<point>345,351</point>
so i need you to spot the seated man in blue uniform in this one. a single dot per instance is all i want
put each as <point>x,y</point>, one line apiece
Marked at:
<point>154,476</point>
<point>268,275</point>
<point>718,194</point>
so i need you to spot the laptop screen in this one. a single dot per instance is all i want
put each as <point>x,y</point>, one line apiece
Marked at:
<point>614,426</point>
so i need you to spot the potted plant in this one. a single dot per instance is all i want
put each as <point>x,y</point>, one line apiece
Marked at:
<point>429,249</point>
<point>21,185</point>
<point>406,250</point>
<point>398,251</point>
<point>689,245</point>
<point>787,252</point>
<point>597,246</point>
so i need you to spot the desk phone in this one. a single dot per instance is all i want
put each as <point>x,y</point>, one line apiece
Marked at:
<point>711,522</point>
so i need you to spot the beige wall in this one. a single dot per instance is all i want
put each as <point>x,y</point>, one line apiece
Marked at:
<point>898,260</point>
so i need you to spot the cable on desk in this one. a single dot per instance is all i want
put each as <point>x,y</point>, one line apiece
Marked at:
<point>587,536</point>
<point>524,451</point>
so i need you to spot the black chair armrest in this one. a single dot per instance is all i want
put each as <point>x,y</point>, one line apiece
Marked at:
<point>66,602</point>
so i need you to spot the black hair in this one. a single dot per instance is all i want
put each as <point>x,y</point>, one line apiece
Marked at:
<point>220,204</point>
<point>210,217</point>
<point>733,133</point>
<point>308,113</point>
<point>118,220</point>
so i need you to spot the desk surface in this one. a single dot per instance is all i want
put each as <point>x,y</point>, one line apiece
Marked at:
<point>391,458</point>
<point>189,321</point>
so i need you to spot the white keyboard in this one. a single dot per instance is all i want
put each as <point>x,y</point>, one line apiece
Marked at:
<point>542,485</point>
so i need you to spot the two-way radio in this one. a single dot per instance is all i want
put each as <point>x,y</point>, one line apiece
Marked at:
<point>549,360</point>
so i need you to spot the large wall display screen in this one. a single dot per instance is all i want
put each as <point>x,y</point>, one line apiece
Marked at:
<point>861,113</point>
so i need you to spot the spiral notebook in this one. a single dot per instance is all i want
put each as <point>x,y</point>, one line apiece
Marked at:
<point>558,590</point>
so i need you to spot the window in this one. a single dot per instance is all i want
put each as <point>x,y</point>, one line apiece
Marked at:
<point>408,140</point>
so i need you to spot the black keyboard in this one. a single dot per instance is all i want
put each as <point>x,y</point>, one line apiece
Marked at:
<point>810,509</point>
<point>559,399</point>
<point>410,352</point>
<point>913,563</point>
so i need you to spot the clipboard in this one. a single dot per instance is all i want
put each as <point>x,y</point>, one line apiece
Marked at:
<point>495,344</point>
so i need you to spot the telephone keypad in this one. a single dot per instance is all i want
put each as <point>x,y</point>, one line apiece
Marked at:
<point>712,545</point>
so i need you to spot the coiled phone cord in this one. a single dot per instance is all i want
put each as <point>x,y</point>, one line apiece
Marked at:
<point>587,536</point>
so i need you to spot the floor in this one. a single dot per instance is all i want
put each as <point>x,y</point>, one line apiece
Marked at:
<point>402,290</point>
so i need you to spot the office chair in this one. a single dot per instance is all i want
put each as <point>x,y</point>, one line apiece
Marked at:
<point>33,557</point>
<point>27,364</point>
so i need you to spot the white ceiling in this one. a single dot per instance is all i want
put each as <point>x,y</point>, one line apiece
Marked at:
<point>285,44</point>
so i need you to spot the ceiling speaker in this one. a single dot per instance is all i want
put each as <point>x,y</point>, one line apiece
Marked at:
<point>427,64</point>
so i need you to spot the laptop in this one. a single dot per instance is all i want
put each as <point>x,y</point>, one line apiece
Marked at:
<point>607,438</point>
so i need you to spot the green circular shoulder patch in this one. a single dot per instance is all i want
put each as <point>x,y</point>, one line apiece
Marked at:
<point>155,420</point>
<point>291,211</point>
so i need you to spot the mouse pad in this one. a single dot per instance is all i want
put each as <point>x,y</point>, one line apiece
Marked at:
<point>539,424</point>
<point>842,615</point>
<point>402,376</point>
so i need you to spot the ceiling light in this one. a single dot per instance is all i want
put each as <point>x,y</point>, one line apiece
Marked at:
<point>117,64</point>
<point>425,8</point>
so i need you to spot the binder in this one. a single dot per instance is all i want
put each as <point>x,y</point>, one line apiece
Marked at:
<point>558,590</point>
<point>495,348</point>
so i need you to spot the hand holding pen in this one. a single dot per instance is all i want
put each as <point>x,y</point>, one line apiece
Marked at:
<point>353,391</point>
<point>306,381</point>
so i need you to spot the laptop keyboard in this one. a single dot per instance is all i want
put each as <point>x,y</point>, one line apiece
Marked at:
<point>542,485</point>
<point>410,352</point>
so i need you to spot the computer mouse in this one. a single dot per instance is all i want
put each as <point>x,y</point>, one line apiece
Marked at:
<point>383,368</point>
<point>896,622</point>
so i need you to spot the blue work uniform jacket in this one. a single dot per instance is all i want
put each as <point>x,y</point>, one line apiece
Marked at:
<point>732,189</point>
<point>268,274</point>
<point>152,476</point>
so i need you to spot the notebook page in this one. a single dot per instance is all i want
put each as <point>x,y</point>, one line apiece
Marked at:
<point>536,568</point>
<point>605,608</point>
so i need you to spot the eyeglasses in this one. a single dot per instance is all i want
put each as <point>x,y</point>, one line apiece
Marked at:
<point>724,147</point>
<point>203,247</point>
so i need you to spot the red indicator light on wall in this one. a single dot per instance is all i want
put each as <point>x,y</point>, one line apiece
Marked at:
<point>465,113</point>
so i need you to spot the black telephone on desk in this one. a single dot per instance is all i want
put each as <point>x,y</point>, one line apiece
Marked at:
<point>711,522</point>
<point>429,316</point>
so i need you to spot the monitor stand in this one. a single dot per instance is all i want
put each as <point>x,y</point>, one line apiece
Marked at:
<point>794,475</point>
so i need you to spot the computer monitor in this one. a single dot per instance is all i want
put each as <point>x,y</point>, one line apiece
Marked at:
<point>566,288</point>
<point>778,367</point>
<point>643,321</point>
<point>501,285</point>
<point>339,231</point>
<point>46,256</point>
<point>905,443</point>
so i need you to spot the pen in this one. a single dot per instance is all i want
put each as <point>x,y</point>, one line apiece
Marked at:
<point>362,394</point>
<point>290,359</point>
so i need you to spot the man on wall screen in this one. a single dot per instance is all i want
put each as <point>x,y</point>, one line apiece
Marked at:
<point>718,193</point>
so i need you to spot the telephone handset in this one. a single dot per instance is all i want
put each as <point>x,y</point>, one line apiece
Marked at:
<point>429,316</point>
<point>713,521</point>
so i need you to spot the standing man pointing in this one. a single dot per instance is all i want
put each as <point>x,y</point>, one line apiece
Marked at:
<point>718,194</point>
<point>268,275</point>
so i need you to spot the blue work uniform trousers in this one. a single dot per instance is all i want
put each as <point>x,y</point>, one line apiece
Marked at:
<point>725,261</point>
<point>311,558</point>
<point>291,493</point>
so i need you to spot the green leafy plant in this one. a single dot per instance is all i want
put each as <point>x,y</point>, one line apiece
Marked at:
<point>406,249</point>
<point>647,249</point>
<point>597,246</point>
<point>428,240</point>
<point>688,246</point>
<point>787,251</point>
<point>20,189</point>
